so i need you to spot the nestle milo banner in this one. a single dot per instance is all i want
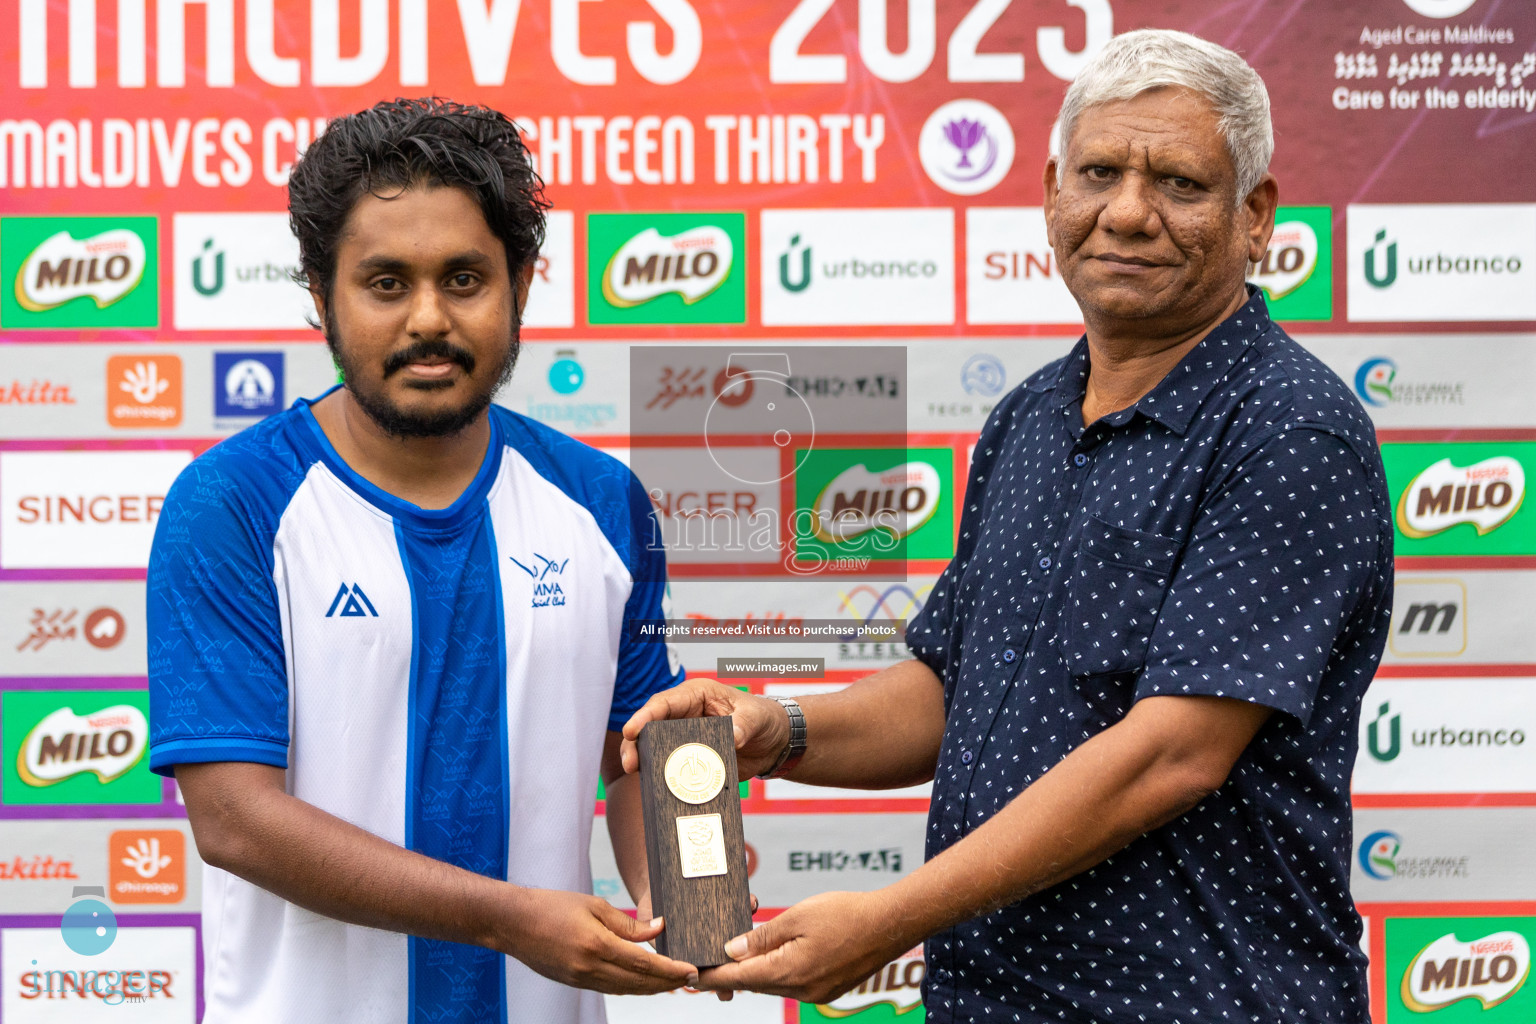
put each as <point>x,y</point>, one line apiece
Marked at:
<point>1462,497</point>
<point>1461,969</point>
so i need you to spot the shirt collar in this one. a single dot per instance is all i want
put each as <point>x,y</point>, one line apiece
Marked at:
<point>1178,395</point>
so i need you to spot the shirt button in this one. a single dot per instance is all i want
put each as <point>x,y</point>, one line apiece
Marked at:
<point>966,757</point>
<point>1080,459</point>
<point>1045,563</point>
<point>1009,655</point>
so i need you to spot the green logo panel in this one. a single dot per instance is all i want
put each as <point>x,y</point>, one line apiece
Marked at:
<point>83,762</point>
<point>1443,970</point>
<point>881,1013</point>
<point>861,503</point>
<point>1297,270</point>
<point>667,268</point>
<point>70,273</point>
<point>1462,498</point>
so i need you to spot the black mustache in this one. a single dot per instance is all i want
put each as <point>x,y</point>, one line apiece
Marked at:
<point>422,350</point>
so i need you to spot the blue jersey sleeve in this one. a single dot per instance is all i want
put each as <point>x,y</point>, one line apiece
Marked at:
<point>646,665</point>
<point>218,681</point>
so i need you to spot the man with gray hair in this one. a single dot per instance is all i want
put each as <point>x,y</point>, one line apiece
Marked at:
<point>1137,685</point>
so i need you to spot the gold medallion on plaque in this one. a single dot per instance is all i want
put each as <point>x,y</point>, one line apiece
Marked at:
<point>694,773</point>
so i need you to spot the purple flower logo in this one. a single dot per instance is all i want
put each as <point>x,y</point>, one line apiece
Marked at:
<point>964,133</point>
<point>966,146</point>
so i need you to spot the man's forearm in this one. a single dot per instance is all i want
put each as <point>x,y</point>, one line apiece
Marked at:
<point>878,733</point>
<point>1146,770</point>
<point>324,864</point>
<point>626,831</point>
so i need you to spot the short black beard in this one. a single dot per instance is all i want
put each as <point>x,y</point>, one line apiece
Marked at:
<point>397,422</point>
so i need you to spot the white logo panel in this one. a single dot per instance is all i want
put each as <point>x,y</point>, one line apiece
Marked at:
<point>1011,276</point>
<point>90,509</point>
<point>834,267</point>
<point>552,297</point>
<point>234,272</point>
<point>1447,736</point>
<point>1442,262</point>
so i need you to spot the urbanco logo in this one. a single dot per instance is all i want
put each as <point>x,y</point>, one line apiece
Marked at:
<point>664,268</point>
<point>78,272</point>
<point>1442,262</point>
<point>850,267</point>
<point>235,271</point>
<point>966,147</point>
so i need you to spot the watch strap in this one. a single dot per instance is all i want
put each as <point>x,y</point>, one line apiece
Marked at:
<point>794,750</point>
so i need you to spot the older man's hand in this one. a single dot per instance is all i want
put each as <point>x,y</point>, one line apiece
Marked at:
<point>816,950</point>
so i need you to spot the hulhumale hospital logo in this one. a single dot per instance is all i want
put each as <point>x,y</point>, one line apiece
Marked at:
<point>966,147</point>
<point>1378,854</point>
<point>1373,381</point>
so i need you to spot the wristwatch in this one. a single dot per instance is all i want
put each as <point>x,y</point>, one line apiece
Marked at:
<point>794,750</point>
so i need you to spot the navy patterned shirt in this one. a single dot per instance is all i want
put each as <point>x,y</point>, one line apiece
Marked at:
<point>1228,535</point>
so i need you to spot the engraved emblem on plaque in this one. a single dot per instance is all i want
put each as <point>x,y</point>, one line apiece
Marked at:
<point>694,774</point>
<point>701,844</point>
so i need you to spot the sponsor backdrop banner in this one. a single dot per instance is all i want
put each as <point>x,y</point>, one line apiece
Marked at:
<point>843,199</point>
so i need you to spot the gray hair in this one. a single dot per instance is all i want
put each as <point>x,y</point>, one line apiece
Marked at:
<point>1135,62</point>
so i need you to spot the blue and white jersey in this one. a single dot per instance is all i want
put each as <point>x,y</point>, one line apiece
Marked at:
<point>441,678</point>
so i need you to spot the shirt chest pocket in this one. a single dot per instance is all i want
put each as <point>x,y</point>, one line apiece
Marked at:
<point>1114,597</point>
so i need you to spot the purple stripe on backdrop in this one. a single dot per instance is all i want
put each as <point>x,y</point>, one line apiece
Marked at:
<point>49,575</point>
<point>168,807</point>
<point>74,682</point>
<point>193,921</point>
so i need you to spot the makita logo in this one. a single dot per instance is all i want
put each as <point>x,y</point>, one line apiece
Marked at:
<point>107,742</point>
<point>691,264</point>
<point>351,603</point>
<point>105,267</point>
<point>1486,494</point>
<point>1490,970</point>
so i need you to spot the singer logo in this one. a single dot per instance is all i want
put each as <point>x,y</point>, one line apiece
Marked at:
<point>1486,494</point>
<point>1490,969</point>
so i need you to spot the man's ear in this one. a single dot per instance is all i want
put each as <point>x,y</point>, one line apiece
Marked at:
<point>319,301</point>
<point>524,282</point>
<point>1261,205</point>
<point>1051,191</point>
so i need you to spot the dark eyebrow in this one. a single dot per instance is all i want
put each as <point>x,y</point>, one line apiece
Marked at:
<point>470,258</point>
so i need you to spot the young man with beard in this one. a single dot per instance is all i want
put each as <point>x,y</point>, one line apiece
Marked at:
<point>387,627</point>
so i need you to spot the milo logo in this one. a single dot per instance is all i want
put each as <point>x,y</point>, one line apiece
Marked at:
<point>103,268</point>
<point>857,501</point>
<point>106,743</point>
<point>1289,261</point>
<point>1296,270</point>
<point>1490,970</point>
<point>1486,494</point>
<point>898,987</point>
<point>79,272</point>
<point>691,265</point>
<point>666,268</point>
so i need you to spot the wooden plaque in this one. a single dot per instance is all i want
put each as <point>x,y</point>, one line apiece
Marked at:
<point>693,840</point>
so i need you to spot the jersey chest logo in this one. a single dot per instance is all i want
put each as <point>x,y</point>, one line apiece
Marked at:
<point>546,574</point>
<point>351,603</point>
